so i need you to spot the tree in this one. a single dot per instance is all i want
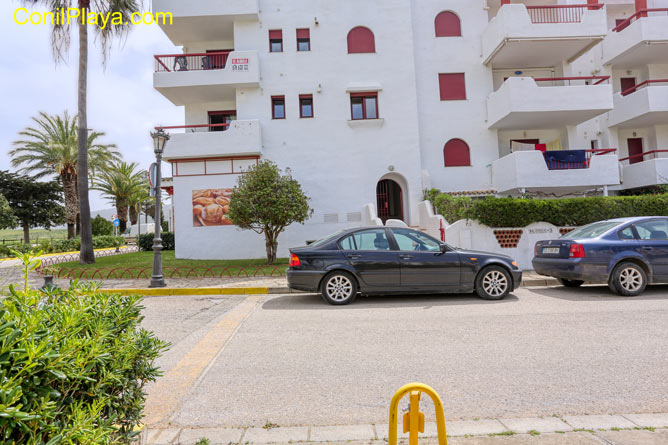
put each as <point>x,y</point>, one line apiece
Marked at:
<point>121,183</point>
<point>267,201</point>
<point>50,148</point>
<point>102,226</point>
<point>7,217</point>
<point>35,204</point>
<point>60,42</point>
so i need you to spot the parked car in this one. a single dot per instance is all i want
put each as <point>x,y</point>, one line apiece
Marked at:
<point>384,260</point>
<point>626,253</point>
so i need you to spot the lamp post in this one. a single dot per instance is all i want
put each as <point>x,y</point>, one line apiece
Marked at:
<point>160,139</point>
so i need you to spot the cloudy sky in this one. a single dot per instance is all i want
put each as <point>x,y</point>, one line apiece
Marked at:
<point>121,98</point>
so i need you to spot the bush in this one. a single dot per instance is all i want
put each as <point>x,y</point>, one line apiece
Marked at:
<point>102,226</point>
<point>164,226</point>
<point>145,241</point>
<point>74,365</point>
<point>519,212</point>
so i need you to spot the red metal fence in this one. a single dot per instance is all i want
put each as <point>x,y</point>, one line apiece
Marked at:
<point>565,165</point>
<point>646,83</point>
<point>581,80</point>
<point>191,62</point>
<point>641,156</point>
<point>559,13</point>
<point>129,273</point>
<point>197,128</point>
<point>640,14</point>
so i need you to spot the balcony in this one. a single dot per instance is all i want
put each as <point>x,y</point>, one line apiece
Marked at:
<point>528,170</point>
<point>642,39</point>
<point>644,105</point>
<point>240,138</point>
<point>206,77</point>
<point>521,104</point>
<point>645,169</point>
<point>205,20</point>
<point>523,36</point>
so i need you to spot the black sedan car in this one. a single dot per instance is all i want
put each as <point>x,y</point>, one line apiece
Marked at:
<point>384,260</point>
<point>625,253</point>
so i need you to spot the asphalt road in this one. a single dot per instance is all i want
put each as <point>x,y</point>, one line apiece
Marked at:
<point>542,351</point>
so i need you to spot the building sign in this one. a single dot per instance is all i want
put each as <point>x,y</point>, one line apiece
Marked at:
<point>239,64</point>
<point>211,207</point>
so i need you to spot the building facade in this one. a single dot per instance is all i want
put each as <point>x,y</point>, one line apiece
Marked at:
<point>369,103</point>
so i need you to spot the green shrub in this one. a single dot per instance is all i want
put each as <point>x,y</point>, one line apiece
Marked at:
<point>73,365</point>
<point>520,212</point>
<point>103,242</point>
<point>102,226</point>
<point>145,241</point>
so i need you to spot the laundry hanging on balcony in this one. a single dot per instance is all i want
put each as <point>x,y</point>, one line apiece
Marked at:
<point>566,159</point>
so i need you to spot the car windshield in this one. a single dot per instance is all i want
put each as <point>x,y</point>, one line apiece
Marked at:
<point>326,239</point>
<point>592,230</point>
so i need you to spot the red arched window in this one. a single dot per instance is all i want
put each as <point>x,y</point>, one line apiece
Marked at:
<point>448,25</point>
<point>456,153</point>
<point>361,40</point>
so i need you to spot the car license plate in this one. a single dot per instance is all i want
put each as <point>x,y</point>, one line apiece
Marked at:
<point>550,250</point>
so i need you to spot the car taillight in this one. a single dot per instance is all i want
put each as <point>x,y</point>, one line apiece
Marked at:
<point>535,249</point>
<point>294,261</point>
<point>577,251</point>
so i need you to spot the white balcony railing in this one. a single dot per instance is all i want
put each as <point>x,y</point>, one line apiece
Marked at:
<point>639,40</point>
<point>643,105</point>
<point>645,169</point>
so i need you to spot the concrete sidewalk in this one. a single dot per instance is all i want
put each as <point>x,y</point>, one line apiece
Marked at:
<point>596,429</point>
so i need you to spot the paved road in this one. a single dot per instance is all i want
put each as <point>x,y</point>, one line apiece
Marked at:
<point>294,360</point>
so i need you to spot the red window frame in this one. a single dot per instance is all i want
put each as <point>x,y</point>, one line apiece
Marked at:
<point>275,35</point>
<point>364,96</point>
<point>445,25</point>
<point>275,99</point>
<point>304,35</point>
<point>452,86</point>
<point>458,159</point>
<point>303,97</point>
<point>357,46</point>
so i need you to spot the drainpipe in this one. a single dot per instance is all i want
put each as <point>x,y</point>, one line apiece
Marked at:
<point>640,5</point>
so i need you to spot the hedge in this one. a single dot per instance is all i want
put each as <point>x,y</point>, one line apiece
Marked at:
<point>64,245</point>
<point>145,241</point>
<point>520,212</point>
<point>73,365</point>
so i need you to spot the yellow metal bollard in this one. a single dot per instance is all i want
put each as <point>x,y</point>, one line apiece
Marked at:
<point>414,419</point>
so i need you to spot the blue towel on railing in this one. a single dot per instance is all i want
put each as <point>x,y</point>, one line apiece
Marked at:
<point>566,159</point>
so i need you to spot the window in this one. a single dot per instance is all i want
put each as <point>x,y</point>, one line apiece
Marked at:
<point>373,239</point>
<point>278,107</point>
<point>456,153</point>
<point>626,234</point>
<point>303,40</point>
<point>447,24</point>
<point>276,41</point>
<point>655,229</point>
<point>453,86</point>
<point>361,40</point>
<point>364,106</point>
<point>305,105</point>
<point>416,242</point>
<point>221,117</point>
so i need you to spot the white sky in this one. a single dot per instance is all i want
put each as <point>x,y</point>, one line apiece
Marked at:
<point>121,99</point>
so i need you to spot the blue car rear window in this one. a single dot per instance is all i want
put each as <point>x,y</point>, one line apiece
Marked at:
<point>593,230</point>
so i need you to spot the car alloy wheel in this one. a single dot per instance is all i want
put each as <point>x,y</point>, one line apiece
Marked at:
<point>630,279</point>
<point>495,283</point>
<point>339,288</point>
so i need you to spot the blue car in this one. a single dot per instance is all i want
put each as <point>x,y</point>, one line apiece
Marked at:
<point>626,253</point>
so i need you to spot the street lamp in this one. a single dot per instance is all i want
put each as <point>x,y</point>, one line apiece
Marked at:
<point>160,139</point>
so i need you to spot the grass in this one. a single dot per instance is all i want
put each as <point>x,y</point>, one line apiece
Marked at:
<point>139,264</point>
<point>10,236</point>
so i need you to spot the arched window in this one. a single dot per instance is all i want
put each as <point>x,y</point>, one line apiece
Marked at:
<point>447,24</point>
<point>361,40</point>
<point>456,153</point>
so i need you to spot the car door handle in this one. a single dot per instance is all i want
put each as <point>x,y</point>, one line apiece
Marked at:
<point>648,248</point>
<point>406,257</point>
<point>354,257</point>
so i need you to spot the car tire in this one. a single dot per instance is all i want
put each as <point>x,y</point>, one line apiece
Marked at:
<point>628,280</point>
<point>493,283</point>
<point>339,288</point>
<point>570,283</point>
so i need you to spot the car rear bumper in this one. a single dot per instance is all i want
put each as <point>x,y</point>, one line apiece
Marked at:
<point>570,269</point>
<point>304,280</point>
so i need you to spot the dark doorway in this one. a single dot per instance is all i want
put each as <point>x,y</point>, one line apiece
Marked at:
<point>390,200</point>
<point>221,117</point>
<point>626,84</point>
<point>635,149</point>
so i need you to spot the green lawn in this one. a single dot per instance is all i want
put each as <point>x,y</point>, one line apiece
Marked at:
<point>139,265</point>
<point>10,236</point>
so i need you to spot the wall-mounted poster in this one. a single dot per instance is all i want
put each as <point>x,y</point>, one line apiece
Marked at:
<point>211,207</point>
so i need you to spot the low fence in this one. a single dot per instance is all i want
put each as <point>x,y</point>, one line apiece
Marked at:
<point>184,272</point>
<point>560,13</point>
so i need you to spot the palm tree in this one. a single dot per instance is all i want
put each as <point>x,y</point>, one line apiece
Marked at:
<point>60,42</point>
<point>121,184</point>
<point>49,148</point>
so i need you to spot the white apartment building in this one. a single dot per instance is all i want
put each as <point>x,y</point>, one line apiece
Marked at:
<point>371,102</point>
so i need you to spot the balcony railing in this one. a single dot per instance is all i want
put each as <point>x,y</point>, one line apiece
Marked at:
<point>192,62</point>
<point>586,80</point>
<point>641,156</point>
<point>639,14</point>
<point>559,13</point>
<point>558,164</point>
<point>197,128</point>
<point>646,83</point>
